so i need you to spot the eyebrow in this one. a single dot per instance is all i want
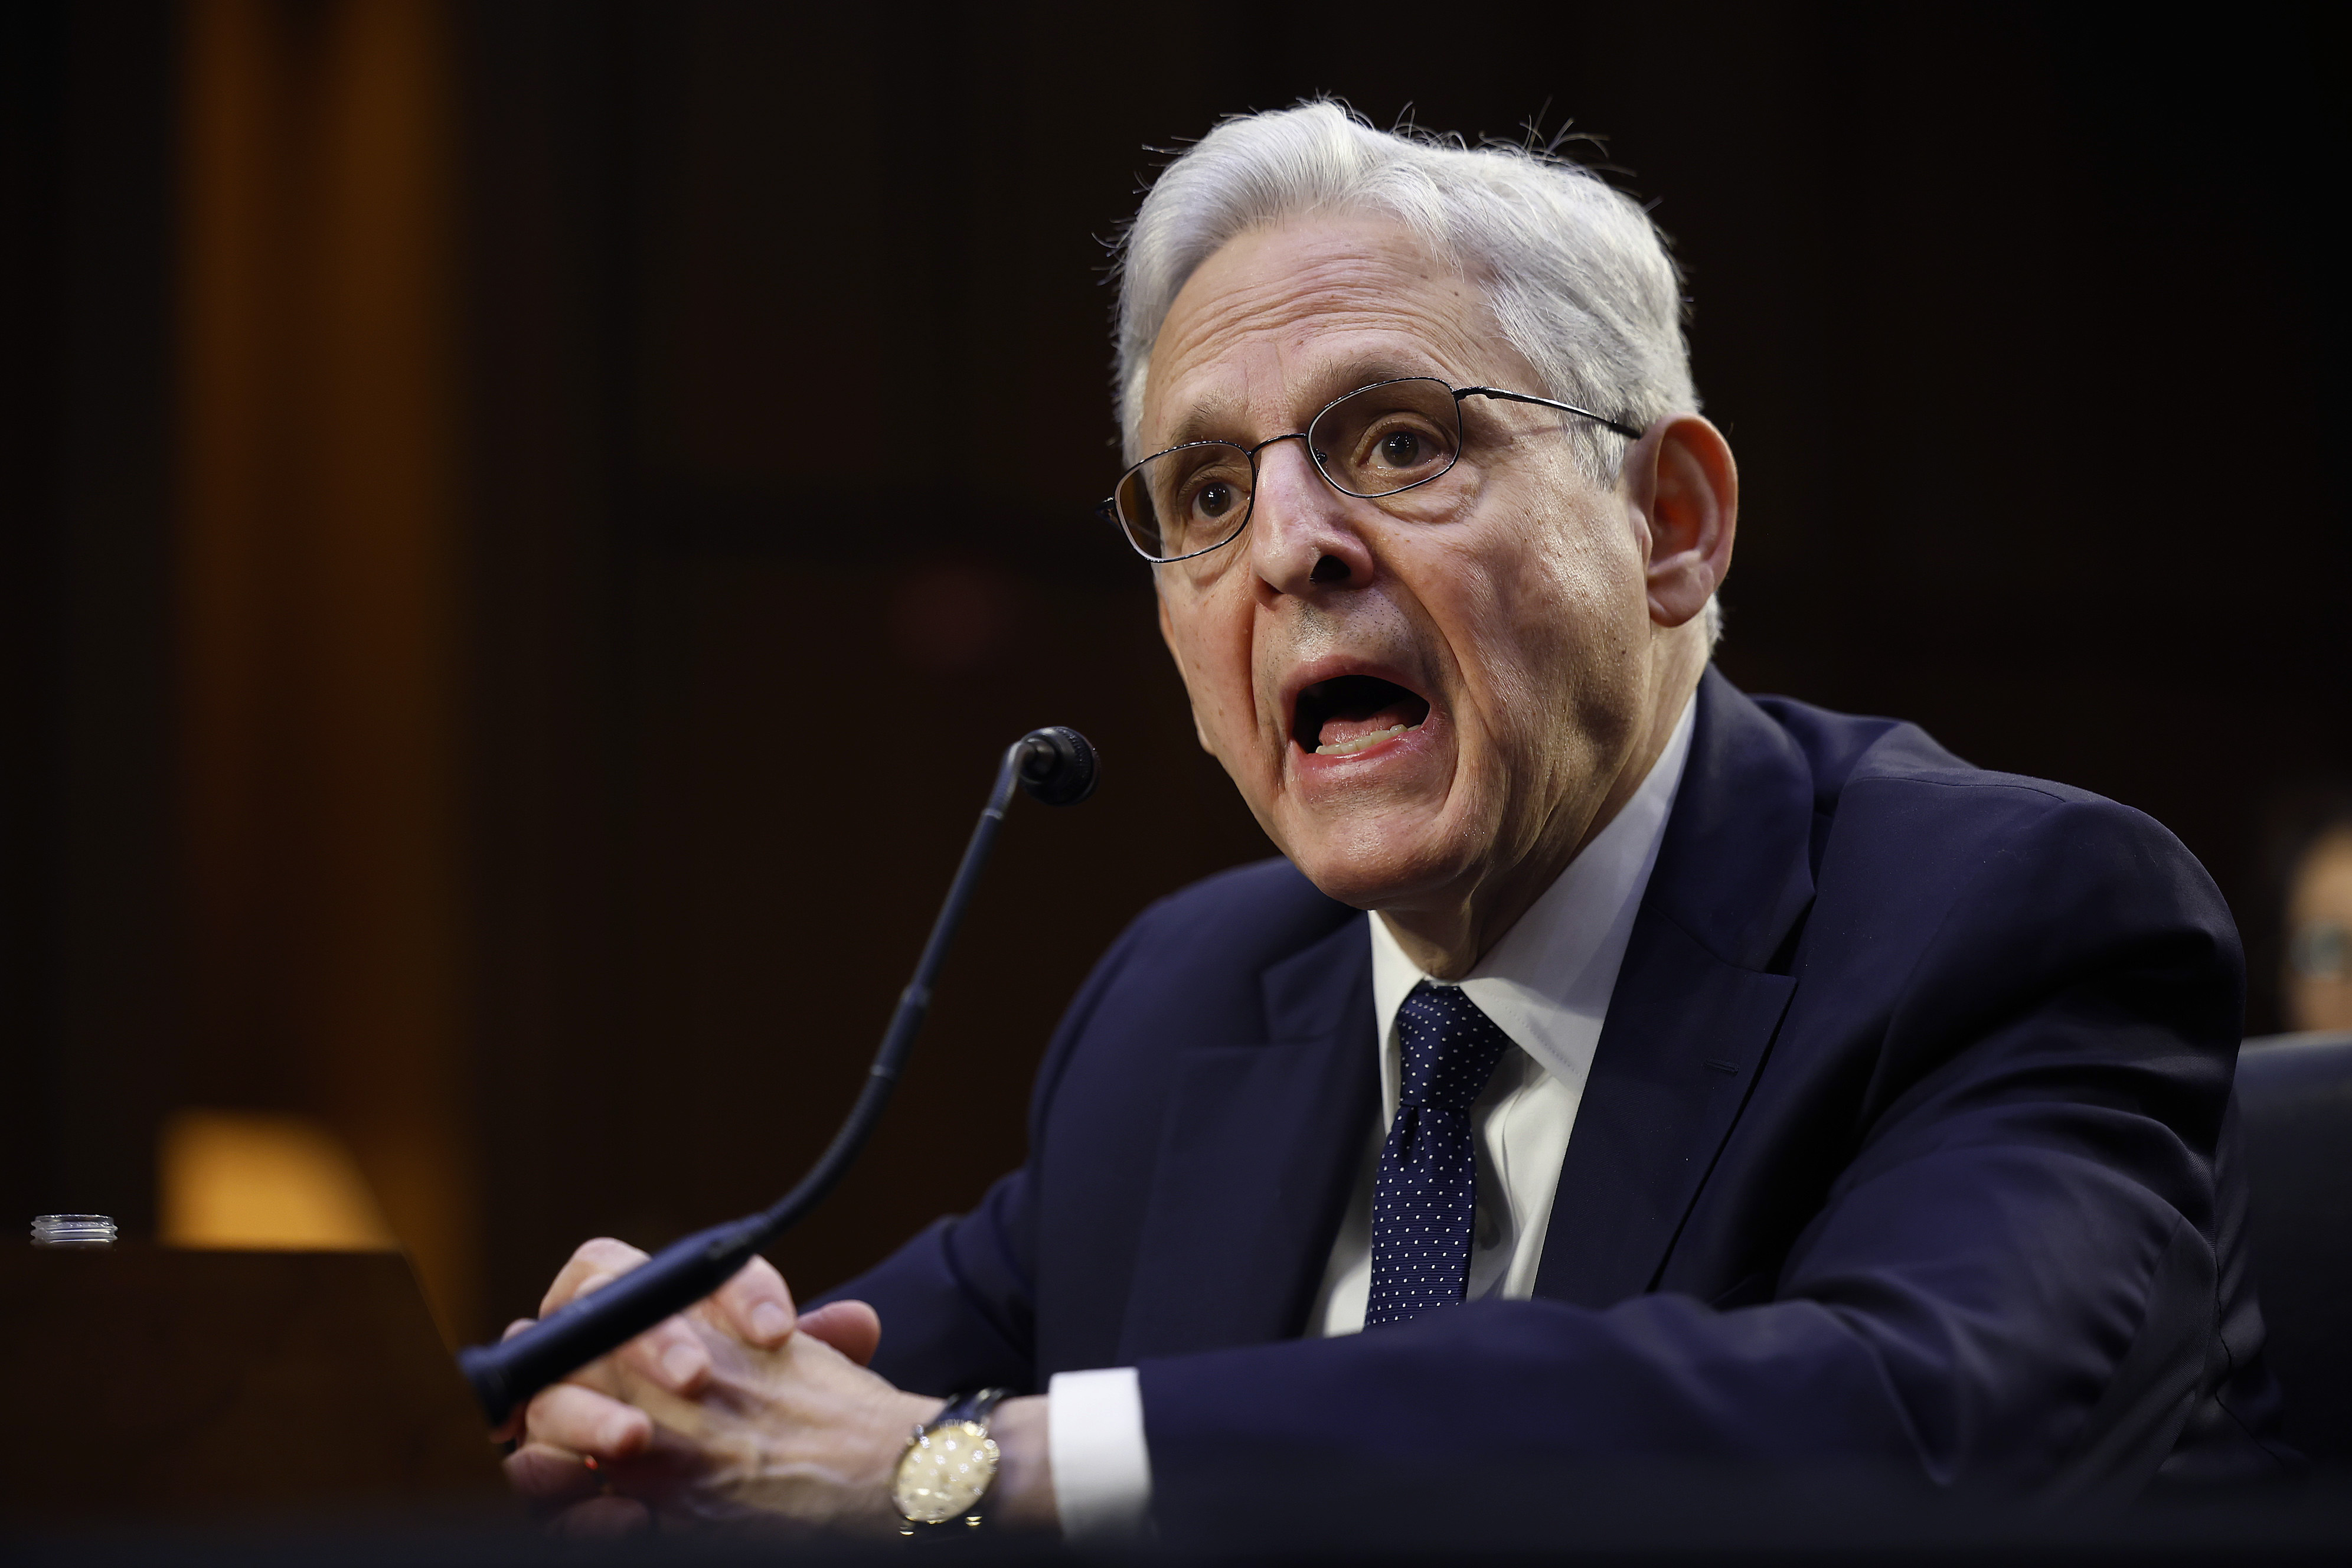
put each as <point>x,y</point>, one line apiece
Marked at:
<point>1212,420</point>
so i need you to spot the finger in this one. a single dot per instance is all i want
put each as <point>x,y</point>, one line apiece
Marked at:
<point>669,1355</point>
<point>601,1519</point>
<point>593,1263</point>
<point>583,1421</point>
<point>852,1328</point>
<point>755,1305</point>
<point>550,1477</point>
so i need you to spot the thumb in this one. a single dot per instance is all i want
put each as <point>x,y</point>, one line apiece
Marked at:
<point>852,1328</point>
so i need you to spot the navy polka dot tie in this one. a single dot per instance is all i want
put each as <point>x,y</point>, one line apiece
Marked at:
<point>1426,1193</point>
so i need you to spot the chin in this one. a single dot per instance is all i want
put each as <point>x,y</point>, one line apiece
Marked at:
<point>1380,864</point>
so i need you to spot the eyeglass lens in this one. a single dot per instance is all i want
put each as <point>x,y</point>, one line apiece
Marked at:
<point>1374,442</point>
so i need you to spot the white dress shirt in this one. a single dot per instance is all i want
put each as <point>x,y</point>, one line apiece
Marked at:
<point>1547,985</point>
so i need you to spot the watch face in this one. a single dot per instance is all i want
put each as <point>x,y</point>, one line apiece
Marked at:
<point>945,1474</point>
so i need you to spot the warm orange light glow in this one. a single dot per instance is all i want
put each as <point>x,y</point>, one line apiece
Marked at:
<point>242,1179</point>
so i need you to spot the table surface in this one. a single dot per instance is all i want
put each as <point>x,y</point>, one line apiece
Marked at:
<point>157,1383</point>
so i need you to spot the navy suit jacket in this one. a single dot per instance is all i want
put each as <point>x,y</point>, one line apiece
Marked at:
<point>1905,1139</point>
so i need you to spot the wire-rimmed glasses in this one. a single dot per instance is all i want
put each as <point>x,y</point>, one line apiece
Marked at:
<point>1375,441</point>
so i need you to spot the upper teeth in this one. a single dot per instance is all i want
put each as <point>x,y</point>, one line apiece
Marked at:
<point>1350,748</point>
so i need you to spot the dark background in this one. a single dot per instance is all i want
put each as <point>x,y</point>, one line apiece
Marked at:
<point>512,589</point>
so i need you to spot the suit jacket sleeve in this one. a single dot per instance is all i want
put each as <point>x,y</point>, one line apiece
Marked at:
<point>2011,1279</point>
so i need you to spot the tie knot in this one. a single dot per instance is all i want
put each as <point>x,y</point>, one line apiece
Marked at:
<point>1447,1049</point>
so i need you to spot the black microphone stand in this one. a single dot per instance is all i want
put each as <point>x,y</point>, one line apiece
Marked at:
<point>1055,764</point>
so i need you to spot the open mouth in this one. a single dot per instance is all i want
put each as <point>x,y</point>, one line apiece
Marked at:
<point>1350,713</point>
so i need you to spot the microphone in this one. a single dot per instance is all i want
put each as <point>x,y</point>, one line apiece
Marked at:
<point>1056,765</point>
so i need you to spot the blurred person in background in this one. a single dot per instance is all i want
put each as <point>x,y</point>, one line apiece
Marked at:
<point>1614,1065</point>
<point>2316,988</point>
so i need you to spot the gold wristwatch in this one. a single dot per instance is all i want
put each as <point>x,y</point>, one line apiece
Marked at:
<point>949,1465</point>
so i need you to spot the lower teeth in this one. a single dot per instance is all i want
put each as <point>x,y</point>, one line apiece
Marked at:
<point>1361,742</point>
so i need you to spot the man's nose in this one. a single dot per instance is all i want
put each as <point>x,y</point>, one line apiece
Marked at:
<point>1304,537</point>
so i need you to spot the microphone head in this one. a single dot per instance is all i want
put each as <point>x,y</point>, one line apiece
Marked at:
<point>1057,765</point>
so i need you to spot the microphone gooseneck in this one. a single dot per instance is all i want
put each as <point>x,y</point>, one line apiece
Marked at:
<point>1056,765</point>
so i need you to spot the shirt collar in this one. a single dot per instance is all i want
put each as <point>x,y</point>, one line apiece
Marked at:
<point>1547,982</point>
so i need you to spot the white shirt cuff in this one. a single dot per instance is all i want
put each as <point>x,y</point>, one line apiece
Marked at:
<point>1102,1468</point>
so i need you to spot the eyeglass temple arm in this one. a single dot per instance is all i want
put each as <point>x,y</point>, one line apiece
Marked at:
<point>1625,430</point>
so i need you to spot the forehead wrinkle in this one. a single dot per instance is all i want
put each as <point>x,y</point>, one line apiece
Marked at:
<point>1220,413</point>
<point>1417,325</point>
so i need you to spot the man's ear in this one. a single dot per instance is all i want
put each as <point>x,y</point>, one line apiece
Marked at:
<point>1168,635</point>
<point>1680,477</point>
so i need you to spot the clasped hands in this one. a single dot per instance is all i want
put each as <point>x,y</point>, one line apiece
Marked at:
<point>744,1413</point>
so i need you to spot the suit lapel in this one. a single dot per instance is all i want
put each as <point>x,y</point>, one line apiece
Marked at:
<point>1695,1005</point>
<point>1258,1152</point>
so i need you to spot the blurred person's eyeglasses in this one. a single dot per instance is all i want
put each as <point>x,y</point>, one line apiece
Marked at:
<point>1377,441</point>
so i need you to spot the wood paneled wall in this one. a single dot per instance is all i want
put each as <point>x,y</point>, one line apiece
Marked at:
<point>320,601</point>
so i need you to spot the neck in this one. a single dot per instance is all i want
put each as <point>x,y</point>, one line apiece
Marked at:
<point>1446,939</point>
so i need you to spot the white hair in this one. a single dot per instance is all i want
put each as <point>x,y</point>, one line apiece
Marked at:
<point>1577,277</point>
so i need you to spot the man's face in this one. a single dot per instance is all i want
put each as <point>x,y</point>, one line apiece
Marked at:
<point>1498,614</point>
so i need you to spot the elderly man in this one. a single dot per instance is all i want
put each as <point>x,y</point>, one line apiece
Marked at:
<point>1710,1077</point>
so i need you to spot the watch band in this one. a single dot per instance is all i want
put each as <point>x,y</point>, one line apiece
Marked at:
<point>976,1405</point>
